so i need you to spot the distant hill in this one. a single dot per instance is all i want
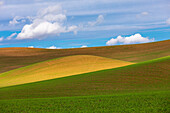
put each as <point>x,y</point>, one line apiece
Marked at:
<point>146,76</point>
<point>12,58</point>
<point>60,67</point>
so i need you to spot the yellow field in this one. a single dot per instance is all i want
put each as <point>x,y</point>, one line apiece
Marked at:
<point>59,67</point>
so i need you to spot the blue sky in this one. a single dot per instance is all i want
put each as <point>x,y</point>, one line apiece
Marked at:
<point>77,23</point>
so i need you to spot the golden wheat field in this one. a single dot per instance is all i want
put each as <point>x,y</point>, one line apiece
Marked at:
<point>59,67</point>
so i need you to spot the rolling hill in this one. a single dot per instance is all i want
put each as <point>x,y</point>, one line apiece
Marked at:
<point>60,67</point>
<point>98,79</point>
<point>142,77</point>
<point>12,58</point>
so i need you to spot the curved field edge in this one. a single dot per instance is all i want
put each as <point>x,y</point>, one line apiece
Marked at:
<point>60,67</point>
<point>12,58</point>
<point>148,76</point>
<point>133,102</point>
<point>48,61</point>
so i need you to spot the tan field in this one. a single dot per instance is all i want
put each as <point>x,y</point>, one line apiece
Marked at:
<point>60,67</point>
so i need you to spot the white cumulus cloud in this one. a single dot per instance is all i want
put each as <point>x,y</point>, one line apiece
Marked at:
<point>168,21</point>
<point>18,20</point>
<point>1,39</point>
<point>30,46</point>
<point>99,20</point>
<point>11,36</point>
<point>48,22</point>
<point>137,38</point>
<point>142,14</point>
<point>83,46</point>
<point>53,47</point>
<point>1,3</point>
<point>73,28</point>
<point>14,21</point>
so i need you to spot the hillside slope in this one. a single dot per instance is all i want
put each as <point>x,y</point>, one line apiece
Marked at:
<point>12,58</point>
<point>147,76</point>
<point>60,67</point>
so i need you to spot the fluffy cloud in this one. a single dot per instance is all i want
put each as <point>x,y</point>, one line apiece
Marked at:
<point>99,20</point>
<point>142,14</point>
<point>137,38</point>
<point>73,28</point>
<point>30,46</point>
<point>11,36</point>
<point>168,21</point>
<point>14,21</point>
<point>83,46</point>
<point>1,39</point>
<point>18,20</point>
<point>53,47</point>
<point>48,22</point>
<point>1,3</point>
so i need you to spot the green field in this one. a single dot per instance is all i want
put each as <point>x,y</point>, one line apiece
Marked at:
<point>80,82</point>
<point>147,76</point>
<point>151,102</point>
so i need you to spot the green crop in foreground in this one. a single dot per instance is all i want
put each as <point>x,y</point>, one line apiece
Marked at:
<point>151,102</point>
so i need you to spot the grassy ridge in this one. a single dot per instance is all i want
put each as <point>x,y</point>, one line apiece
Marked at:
<point>152,102</point>
<point>60,67</point>
<point>148,76</point>
<point>12,58</point>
